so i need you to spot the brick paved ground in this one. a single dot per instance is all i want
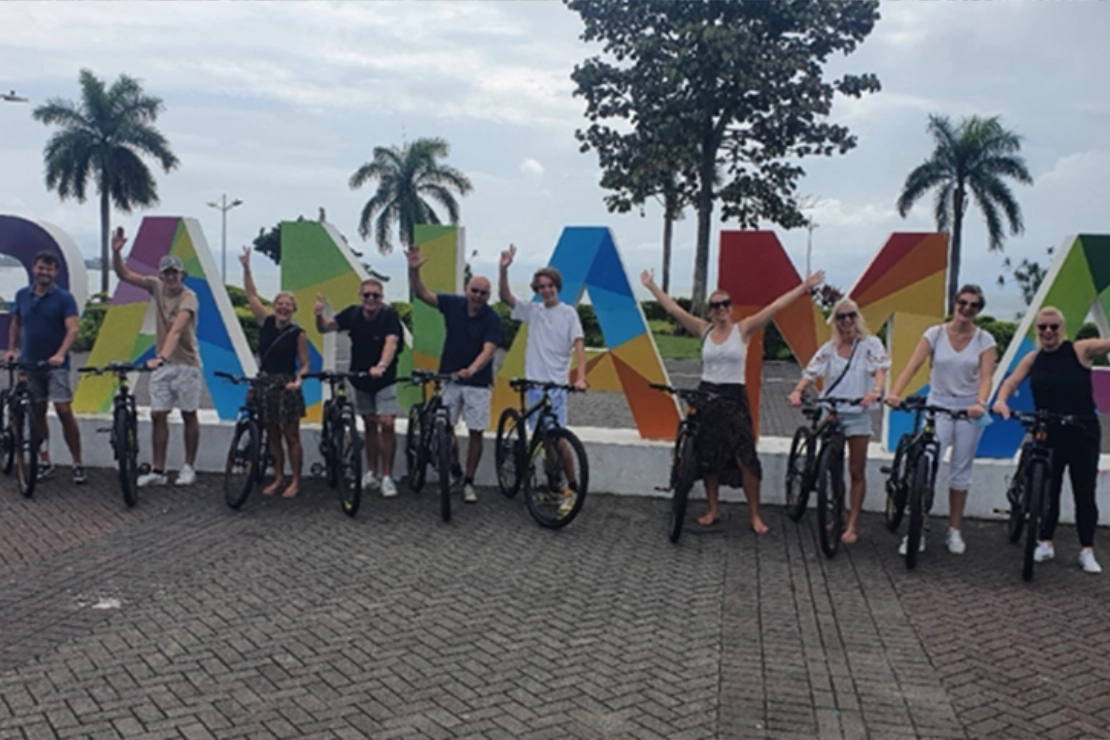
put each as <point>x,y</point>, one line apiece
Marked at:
<point>183,619</point>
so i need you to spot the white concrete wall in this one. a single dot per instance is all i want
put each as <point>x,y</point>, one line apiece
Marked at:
<point>620,462</point>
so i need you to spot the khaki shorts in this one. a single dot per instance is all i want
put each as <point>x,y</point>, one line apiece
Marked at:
<point>175,387</point>
<point>469,401</point>
<point>382,403</point>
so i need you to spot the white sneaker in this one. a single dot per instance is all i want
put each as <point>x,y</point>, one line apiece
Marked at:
<point>955,542</point>
<point>1045,551</point>
<point>920,545</point>
<point>186,477</point>
<point>369,482</point>
<point>152,479</point>
<point>470,496</point>
<point>1087,561</point>
<point>389,488</point>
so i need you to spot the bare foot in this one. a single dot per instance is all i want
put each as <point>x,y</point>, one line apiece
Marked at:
<point>271,489</point>
<point>849,537</point>
<point>293,489</point>
<point>709,518</point>
<point>759,526</point>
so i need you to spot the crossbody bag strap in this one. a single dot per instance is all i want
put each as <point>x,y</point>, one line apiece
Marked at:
<point>843,372</point>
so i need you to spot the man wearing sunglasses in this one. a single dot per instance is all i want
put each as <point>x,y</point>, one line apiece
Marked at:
<point>375,332</point>
<point>473,330</point>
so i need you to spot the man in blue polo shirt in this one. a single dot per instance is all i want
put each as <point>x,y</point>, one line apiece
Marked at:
<point>44,326</point>
<point>473,331</point>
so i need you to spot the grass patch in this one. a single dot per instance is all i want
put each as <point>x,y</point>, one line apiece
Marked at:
<point>678,348</point>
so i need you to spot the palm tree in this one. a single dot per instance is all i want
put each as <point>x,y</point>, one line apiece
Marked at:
<point>103,137</point>
<point>977,156</point>
<point>405,177</point>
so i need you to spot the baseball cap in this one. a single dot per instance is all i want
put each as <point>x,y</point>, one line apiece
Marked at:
<point>169,262</point>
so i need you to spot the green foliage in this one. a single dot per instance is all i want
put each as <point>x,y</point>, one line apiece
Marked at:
<point>89,326</point>
<point>404,312</point>
<point>1028,275</point>
<point>509,325</point>
<point>250,325</point>
<point>269,243</point>
<point>678,348</point>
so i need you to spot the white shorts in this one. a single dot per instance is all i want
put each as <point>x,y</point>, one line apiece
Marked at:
<point>471,402</point>
<point>964,436</point>
<point>175,387</point>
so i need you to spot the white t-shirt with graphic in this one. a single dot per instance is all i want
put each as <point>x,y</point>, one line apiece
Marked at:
<point>551,335</point>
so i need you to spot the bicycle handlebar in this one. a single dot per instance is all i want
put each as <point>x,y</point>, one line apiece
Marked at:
<point>237,379</point>
<point>333,376</point>
<point>686,394</point>
<point>25,366</point>
<point>913,404</point>
<point>423,377</point>
<point>1029,419</point>
<point>522,384</point>
<point>119,368</point>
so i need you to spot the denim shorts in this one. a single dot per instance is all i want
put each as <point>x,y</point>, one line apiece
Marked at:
<point>49,385</point>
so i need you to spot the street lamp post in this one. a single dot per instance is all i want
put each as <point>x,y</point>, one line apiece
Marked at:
<point>809,242</point>
<point>223,207</point>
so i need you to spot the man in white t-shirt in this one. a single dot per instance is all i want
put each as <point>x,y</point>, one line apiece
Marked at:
<point>554,329</point>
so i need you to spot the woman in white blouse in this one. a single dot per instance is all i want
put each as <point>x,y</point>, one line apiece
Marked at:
<point>854,365</point>
<point>963,358</point>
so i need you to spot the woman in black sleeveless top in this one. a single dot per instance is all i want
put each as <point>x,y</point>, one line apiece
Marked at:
<point>283,349</point>
<point>1060,375</point>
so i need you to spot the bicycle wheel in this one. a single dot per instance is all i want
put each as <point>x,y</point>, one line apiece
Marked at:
<point>443,433</point>
<point>557,480</point>
<point>241,466</point>
<point>26,446</point>
<point>415,460</point>
<point>798,467</point>
<point>1035,500</point>
<point>350,461</point>
<point>830,495</point>
<point>7,447</point>
<point>329,448</point>
<point>510,452</point>
<point>1015,497</point>
<point>896,484</point>
<point>125,437</point>
<point>683,471</point>
<point>264,458</point>
<point>918,495</point>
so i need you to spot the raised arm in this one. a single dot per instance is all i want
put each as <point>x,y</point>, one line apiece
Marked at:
<point>259,311</point>
<point>917,359</point>
<point>1090,349</point>
<point>1010,384</point>
<point>757,321</point>
<point>124,274</point>
<point>323,325</point>
<point>503,289</point>
<point>415,281</point>
<point>689,322</point>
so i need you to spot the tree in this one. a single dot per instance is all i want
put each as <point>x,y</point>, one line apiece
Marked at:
<point>103,137</point>
<point>1028,275</point>
<point>405,177</point>
<point>976,155</point>
<point>740,81</point>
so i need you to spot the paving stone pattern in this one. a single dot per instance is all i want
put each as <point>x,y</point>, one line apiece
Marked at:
<point>183,619</point>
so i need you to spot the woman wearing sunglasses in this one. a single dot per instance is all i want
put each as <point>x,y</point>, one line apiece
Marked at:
<point>1059,372</point>
<point>962,359</point>
<point>854,365</point>
<point>726,444</point>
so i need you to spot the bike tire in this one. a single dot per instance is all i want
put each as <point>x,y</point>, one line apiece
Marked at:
<point>241,465</point>
<point>415,460</point>
<point>552,500</point>
<point>684,471</point>
<point>1034,511</point>
<point>798,470</point>
<point>263,456</point>
<point>509,452</point>
<point>443,434</point>
<point>830,496</point>
<point>331,451</point>
<point>125,434</point>
<point>27,447</point>
<point>1015,497</point>
<point>896,484</point>
<point>7,446</point>
<point>917,496</point>
<point>350,459</point>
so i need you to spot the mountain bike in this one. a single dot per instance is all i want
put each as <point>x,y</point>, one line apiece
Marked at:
<point>249,455</point>
<point>340,443</point>
<point>7,434</point>
<point>124,432</point>
<point>22,440</point>
<point>911,478</point>
<point>684,463</point>
<point>430,437</point>
<point>816,463</point>
<point>552,468</point>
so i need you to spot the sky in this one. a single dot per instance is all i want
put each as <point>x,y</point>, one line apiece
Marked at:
<point>278,103</point>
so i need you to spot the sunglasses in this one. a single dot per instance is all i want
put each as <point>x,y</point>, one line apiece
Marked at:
<point>974,305</point>
<point>850,316</point>
<point>477,291</point>
<point>714,305</point>
<point>1047,327</point>
<point>371,294</point>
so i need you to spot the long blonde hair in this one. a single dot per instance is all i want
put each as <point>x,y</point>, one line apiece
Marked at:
<point>861,323</point>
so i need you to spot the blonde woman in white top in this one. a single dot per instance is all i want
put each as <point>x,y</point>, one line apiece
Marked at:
<point>726,443</point>
<point>854,365</point>
<point>962,358</point>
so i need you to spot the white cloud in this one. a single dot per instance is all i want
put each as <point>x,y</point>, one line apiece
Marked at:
<point>532,168</point>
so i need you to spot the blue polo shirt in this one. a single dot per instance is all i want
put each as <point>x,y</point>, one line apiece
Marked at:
<point>465,337</point>
<point>44,321</point>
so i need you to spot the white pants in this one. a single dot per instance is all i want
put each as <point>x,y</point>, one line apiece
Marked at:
<point>963,436</point>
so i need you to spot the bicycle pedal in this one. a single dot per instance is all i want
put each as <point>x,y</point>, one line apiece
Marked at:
<point>886,469</point>
<point>104,430</point>
<point>662,489</point>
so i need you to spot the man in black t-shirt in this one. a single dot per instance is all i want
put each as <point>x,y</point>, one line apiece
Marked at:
<point>375,332</point>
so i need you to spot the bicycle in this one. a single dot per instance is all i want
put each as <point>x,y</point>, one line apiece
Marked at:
<point>21,441</point>
<point>1028,492</point>
<point>816,463</point>
<point>340,442</point>
<point>249,456</point>
<point>684,463</point>
<point>555,486</point>
<point>124,432</point>
<point>7,435</point>
<point>911,477</point>
<point>429,437</point>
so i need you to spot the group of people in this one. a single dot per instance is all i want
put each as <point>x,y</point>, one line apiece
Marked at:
<point>852,364</point>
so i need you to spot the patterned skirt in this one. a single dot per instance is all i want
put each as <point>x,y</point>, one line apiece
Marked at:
<point>726,434</point>
<point>279,405</point>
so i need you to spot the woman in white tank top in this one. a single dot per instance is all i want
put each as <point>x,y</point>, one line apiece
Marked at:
<point>726,443</point>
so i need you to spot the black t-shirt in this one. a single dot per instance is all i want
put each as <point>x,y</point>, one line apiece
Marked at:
<point>466,336</point>
<point>278,347</point>
<point>367,341</point>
